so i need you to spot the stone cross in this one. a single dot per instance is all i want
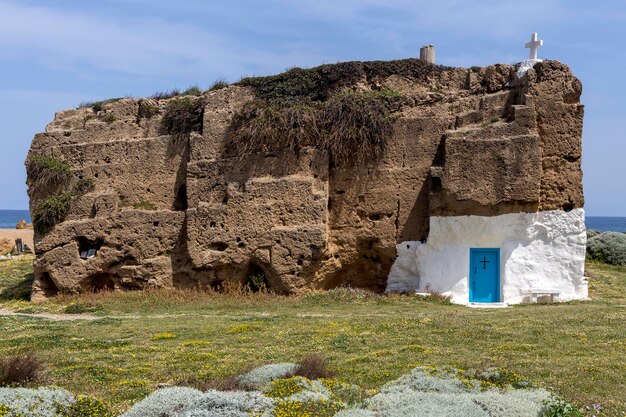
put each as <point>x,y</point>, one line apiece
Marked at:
<point>533,45</point>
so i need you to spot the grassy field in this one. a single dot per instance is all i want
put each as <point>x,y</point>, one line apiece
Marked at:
<point>127,343</point>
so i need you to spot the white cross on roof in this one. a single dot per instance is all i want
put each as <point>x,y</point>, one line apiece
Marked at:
<point>533,45</point>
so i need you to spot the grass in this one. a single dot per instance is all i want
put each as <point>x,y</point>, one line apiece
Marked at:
<point>52,211</point>
<point>48,172</point>
<point>182,116</point>
<point>351,126</point>
<point>319,83</point>
<point>576,349</point>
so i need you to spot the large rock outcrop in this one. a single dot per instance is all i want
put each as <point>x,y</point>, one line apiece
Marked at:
<point>181,210</point>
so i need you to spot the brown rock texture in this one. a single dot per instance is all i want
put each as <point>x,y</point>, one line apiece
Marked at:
<point>181,212</point>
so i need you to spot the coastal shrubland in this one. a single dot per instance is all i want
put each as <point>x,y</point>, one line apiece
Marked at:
<point>609,247</point>
<point>115,347</point>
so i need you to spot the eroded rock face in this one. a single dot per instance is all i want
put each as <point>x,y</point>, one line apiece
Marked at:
<point>182,212</point>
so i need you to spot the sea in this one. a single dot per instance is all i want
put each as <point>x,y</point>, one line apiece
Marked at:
<point>9,218</point>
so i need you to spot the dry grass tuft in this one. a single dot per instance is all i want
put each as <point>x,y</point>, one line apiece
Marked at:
<point>351,126</point>
<point>183,116</point>
<point>21,370</point>
<point>48,172</point>
<point>313,366</point>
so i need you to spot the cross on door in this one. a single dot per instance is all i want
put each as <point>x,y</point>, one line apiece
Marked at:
<point>484,262</point>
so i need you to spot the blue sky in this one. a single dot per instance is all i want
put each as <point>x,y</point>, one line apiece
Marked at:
<point>55,54</point>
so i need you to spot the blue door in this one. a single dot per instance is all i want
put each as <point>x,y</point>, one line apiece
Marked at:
<point>484,276</point>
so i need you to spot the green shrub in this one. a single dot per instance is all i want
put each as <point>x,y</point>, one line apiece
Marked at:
<point>84,186</point>
<point>192,91</point>
<point>109,118</point>
<point>257,282</point>
<point>183,116</point>
<point>162,95</point>
<point>52,211</point>
<point>85,406</point>
<point>147,110</point>
<point>48,172</point>
<point>558,407</point>
<point>609,247</point>
<point>98,105</point>
<point>218,85</point>
<point>318,84</point>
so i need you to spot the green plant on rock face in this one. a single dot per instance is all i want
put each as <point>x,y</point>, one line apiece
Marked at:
<point>146,110</point>
<point>357,125</point>
<point>109,118</point>
<point>84,186</point>
<point>351,126</point>
<point>48,172</point>
<point>144,205</point>
<point>52,211</point>
<point>257,282</point>
<point>182,116</point>
<point>162,95</point>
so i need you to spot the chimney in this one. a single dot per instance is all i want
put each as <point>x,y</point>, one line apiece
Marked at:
<point>427,54</point>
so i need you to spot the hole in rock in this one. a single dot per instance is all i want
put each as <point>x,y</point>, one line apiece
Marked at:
<point>101,282</point>
<point>47,286</point>
<point>256,280</point>
<point>218,246</point>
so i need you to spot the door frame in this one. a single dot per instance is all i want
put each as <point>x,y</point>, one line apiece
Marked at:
<point>471,268</point>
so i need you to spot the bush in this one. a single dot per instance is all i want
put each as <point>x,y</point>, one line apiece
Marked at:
<point>98,105</point>
<point>21,369</point>
<point>350,126</point>
<point>227,404</point>
<point>218,85</point>
<point>609,247</point>
<point>183,116</point>
<point>192,91</point>
<point>48,172</point>
<point>558,407</point>
<point>313,366</point>
<point>164,402</point>
<point>259,377</point>
<point>85,406</point>
<point>356,126</point>
<point>162,95</point>
<point>42,402</point>
<point>84,186</point>
<point>52,211</point>
<point>147,110</point>
<point>318,84</point>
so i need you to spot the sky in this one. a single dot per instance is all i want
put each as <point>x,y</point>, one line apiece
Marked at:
<point>56,54</point>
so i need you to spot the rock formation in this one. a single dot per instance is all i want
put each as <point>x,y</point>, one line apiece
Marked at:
<point>152,205</point>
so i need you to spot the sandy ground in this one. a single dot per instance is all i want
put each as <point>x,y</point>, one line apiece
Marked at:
<point>12,234</point>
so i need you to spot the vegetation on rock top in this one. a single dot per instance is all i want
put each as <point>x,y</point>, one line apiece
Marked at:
<point>319,83</point>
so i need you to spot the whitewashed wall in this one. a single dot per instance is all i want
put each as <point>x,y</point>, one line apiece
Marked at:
<point>543,250</point>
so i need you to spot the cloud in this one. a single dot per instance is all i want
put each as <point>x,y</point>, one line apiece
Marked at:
<point>69,40</point>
